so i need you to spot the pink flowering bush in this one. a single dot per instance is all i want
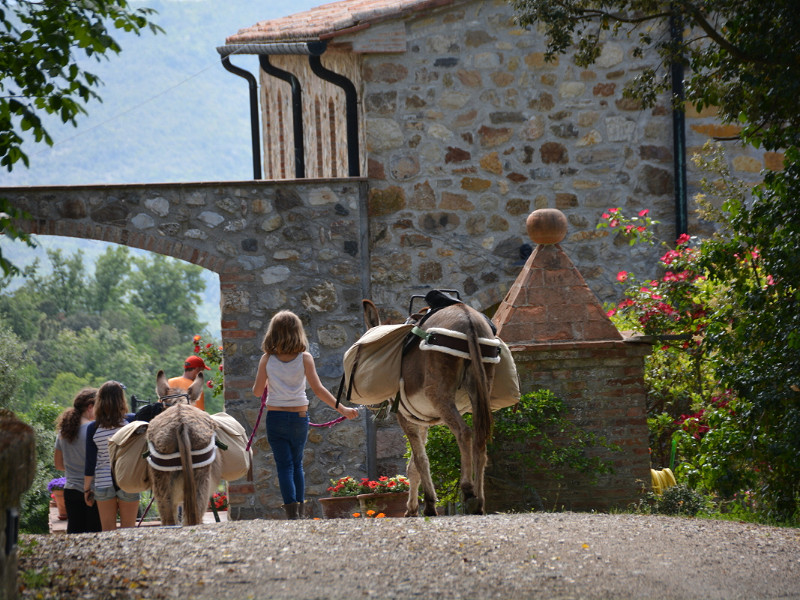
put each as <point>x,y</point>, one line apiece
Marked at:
<point>687,405</point>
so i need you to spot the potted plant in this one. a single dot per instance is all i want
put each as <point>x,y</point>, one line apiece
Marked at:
<point>56,489</point>
<point>388,496</point>
<point>343,499</point>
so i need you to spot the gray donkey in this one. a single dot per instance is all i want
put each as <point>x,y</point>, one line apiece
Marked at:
<point>458,352</point>
<point>182,445</point>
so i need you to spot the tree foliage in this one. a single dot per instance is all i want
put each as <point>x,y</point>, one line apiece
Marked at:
<point>743,56</point>
<point>40,43</point>
<point>126,321</point>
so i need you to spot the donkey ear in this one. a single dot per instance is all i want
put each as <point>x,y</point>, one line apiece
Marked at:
<point>371,316</point>
<point>162,387</point>
<point>196,388</point>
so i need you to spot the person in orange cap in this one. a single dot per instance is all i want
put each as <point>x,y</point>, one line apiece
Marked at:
<point>191,367</point>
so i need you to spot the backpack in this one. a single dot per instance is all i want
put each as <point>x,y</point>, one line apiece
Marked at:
<point>128,466</point>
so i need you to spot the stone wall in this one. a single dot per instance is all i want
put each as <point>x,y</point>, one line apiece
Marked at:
<point>471,128</point>
<point>602,386</point>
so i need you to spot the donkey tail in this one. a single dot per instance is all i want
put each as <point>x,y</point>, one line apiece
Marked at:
<point>481,411</point>
<point>190,511</point>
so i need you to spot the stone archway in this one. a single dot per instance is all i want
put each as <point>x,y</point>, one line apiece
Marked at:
<point>298,245</point>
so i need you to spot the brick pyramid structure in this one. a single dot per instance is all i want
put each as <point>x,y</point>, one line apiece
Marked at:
<point>551,302</point>
<point>562,341</point>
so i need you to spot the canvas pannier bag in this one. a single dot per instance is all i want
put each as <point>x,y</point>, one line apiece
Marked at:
<point>236,459</point>
<point>125,449</point>
<point>372,364</point>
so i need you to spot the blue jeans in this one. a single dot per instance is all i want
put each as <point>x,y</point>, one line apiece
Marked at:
<point>287,433</point>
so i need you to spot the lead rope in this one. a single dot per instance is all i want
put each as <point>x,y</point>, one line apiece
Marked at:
<point>261,412</point>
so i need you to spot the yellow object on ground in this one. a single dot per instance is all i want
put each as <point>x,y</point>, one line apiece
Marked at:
<point>662,480</point>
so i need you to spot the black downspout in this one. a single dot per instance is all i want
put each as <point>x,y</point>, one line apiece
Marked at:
<point>297,112</point>
<point>254,133</point>
<point>351,98</point>
<point>678,129</point>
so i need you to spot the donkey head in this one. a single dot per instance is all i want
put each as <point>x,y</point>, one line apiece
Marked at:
<point>170,396</point>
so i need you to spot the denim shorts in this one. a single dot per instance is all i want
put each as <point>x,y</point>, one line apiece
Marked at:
<point>109,493</point>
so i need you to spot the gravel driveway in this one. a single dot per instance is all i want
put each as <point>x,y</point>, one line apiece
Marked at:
<point>547,555</point>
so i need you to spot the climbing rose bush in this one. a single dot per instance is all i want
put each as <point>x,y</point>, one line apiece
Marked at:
<point>212,356</point>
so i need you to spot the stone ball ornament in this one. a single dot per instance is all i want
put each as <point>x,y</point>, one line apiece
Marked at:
<point>546,226</point>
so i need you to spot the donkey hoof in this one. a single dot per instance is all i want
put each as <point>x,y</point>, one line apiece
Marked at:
<point>474,506</point>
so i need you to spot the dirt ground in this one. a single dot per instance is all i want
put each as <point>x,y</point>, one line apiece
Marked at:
<point>538,555</point>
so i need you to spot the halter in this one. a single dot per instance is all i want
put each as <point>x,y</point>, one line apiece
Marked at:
<point>178,395</point>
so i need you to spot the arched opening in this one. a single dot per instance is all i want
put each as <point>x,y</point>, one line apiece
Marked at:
<point>93,311</point>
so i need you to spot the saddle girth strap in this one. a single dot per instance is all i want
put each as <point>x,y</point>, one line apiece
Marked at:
<point>456,343</point>
<point>172,461</point>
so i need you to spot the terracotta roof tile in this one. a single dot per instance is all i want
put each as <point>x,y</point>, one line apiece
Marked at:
<point>329,19</point>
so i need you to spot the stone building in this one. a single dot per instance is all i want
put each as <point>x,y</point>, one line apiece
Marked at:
<point>463,128</point>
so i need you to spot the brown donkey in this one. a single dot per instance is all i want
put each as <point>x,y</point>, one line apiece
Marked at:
<point>182,445</point>
<point>435,381</point>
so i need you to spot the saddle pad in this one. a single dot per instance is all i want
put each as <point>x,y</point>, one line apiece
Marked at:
<point>505,392</point>
<point>125,449</point>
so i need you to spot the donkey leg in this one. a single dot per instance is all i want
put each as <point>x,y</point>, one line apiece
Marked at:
<point>473,500</point>
<point>421,473</point>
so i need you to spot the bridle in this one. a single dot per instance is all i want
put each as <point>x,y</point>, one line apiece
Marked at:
<point>178,395</point>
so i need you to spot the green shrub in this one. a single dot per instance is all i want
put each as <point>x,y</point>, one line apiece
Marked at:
<point>538,421</point>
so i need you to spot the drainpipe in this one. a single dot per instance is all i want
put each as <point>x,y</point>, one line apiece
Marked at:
<point>297,112</point>
<point>351,98</point>
<point>254,133</point>
<point>678,129</point>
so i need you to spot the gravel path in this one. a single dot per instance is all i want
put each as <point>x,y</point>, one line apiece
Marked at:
<point>547,555</point>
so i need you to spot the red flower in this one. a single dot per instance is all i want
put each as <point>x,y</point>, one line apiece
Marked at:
<point>622,276</point>
<point>210,384</point>
<point>197,349</point>
<point>644,212</point>
<point>683,239</point>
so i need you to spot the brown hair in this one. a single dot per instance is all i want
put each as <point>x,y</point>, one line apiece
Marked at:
<point>285,334</point>
<point>69,421</point>
<point>110,407</point>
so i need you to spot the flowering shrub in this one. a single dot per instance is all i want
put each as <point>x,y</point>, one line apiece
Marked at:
<point>56,484</point>
<point>212,356</point>
<point>219,501</point>
<point>723,377</point>
<point>347,486</point>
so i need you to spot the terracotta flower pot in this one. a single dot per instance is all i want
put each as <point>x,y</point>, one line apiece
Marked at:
<point>58,496</point>
<point>339,507</point>
<point>391,504</point>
